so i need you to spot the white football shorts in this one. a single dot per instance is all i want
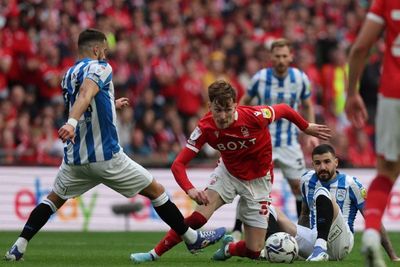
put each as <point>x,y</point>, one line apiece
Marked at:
<point>340,239</point>
<point>120,173</point>
<point>290,160</point>
<point>388,128</point>
<point>254,195</point>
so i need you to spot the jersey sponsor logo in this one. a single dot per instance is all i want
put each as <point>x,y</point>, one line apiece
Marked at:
<point>216,134</point>
<point>236,145</point>
<point>266,113</point>
<point>257,113</point>
<point>341,194</point>
<point>99,70</point>
<point>195,134</point>
<point>244,131</point>
<point>334,233</point>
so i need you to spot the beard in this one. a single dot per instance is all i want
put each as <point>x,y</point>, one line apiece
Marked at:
<point>325,175</point>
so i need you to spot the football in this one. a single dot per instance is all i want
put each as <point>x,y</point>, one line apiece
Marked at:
<point>281,248</point>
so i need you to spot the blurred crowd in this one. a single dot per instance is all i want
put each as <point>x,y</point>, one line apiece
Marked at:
<point>164,55</point>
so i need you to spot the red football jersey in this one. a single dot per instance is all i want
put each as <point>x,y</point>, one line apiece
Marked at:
<point>388,12</point>
<point>245,146</point>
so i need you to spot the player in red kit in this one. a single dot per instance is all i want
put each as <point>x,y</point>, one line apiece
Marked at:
<point>382,14</point>
<point>240,134</point>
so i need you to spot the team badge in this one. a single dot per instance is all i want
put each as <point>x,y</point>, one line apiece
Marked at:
<point>216,134</point>
<point>266,113</point>
<point>244,131</point>
<point>341,194</point>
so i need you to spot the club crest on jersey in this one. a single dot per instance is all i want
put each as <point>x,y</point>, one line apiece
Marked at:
<point>266,113</point>
<point>216,134</point>
<point>244,131</point>
<point>341,194</point>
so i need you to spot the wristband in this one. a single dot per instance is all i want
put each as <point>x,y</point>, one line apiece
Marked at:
<point>72,122</point>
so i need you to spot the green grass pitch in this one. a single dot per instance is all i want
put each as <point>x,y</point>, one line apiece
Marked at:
<point>113,249</point>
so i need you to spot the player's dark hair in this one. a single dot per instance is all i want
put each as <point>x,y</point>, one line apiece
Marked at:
<point>221,92</point>
<point>90,36</point>
<point>322,149</point>
<point>281,42</point>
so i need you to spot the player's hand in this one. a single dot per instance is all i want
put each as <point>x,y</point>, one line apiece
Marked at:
<point>355,110</point>
<point>122,102</point>
<point>318,130</point>
<point>200,197</point>
<point>67,132</point>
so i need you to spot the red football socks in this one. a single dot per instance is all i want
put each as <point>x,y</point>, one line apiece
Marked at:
<point>377,198</point>
<point>240,249</point>
<point>194,221</point>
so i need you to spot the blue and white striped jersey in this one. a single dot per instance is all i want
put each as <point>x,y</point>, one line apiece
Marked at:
<point>96,137</point>
<point>270,89</point>
<point>347,190</point>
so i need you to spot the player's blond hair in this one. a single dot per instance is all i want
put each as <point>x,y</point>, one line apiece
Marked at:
<point>281,42</point>
<point>222,93</point>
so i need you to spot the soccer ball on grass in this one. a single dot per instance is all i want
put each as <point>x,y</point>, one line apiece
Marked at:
<point>281,248</point>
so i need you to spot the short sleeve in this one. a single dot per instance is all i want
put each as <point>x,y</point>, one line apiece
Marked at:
<point>265,115</point>
<point>100,73</point>
<point>376,12</point>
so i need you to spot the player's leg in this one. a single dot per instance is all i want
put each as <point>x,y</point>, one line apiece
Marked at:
<point>237,228</point>
<point>291,161</point>
<point>340,239</point>
<point>388,168</point>
<point>326,212</point>
<point>294,184</point>
<point>196,220</point>
<point>219,192</point>
<point>37,219</point>
<point>376,202</point>
<point>66,185</point>
<point>253,211</point>
<point>129,178</point>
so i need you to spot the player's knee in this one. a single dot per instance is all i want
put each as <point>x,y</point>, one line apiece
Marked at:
<point>322,191</point>
<point>154,190</point>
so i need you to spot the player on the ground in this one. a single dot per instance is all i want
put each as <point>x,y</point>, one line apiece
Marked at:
<point>330,203</point>
<point>283,84</point>
<point>92,154</point>
<point>240,134</point>
<point>382,14</point>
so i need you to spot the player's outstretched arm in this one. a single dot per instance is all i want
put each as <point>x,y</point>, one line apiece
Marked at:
<point>285,111</point>
<point>355,107</point>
